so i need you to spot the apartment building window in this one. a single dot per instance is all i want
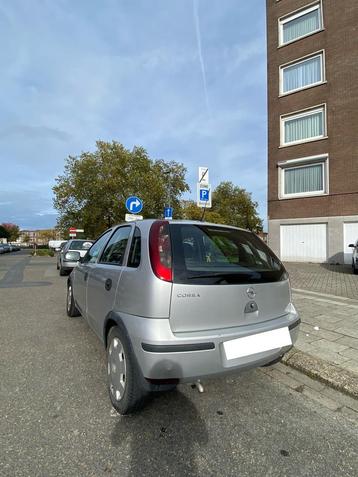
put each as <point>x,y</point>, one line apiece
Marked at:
<point>302,73</point>
<point>307,179</point>
<point>300,24</point>
<point>303,126</point>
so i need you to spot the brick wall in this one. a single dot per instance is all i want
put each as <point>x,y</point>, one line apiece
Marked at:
<point>339,39</point>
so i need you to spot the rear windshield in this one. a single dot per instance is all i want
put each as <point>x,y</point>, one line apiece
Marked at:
<point>205,254</point>
<point>80,245</point>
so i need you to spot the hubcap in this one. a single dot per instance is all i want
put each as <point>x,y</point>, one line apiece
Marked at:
<point>69,297</point>
<point>116,369</point>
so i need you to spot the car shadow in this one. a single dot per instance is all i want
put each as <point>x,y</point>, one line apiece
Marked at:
<point>336,268</point>
<point>164,436</point>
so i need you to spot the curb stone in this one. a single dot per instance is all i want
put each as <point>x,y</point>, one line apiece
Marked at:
<point>330,374</point>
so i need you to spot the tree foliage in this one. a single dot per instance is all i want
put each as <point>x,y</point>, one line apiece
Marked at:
<point>12,230</point>
<point>47,234</point>
<point>231,205</point>
<point>92,191</point>
<point>3,232</point>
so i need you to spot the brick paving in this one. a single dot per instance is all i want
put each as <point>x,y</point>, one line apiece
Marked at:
<point>326,297</point>
<point>313,389</point>
<point>329,328</point>
<point>324,278</point>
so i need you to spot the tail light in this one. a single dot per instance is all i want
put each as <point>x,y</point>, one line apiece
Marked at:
<point>160,250</point>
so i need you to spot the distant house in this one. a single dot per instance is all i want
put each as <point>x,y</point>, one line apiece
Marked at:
<point>38,237</point>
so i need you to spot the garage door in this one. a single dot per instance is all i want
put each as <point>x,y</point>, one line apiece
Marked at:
<point>304,242</point>
<point>350,235</point>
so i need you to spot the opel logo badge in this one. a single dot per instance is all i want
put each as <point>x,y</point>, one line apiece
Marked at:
<point>251,293</point>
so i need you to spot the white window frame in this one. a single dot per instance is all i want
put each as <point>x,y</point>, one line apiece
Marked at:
<point>296,14</point>
<point>317,54</point>
<point>300,114</point>
<point>298,164</point>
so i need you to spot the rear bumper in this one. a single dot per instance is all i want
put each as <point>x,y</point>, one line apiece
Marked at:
<point>69,265</point>
<point>186,357</point>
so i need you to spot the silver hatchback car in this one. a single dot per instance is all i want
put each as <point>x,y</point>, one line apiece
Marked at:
<point>180,301</point>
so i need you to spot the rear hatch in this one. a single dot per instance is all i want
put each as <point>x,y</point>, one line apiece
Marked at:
<point>223,277</point>
<point>80,246</point>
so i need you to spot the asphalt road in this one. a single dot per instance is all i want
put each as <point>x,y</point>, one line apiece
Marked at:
<point>56,418</point>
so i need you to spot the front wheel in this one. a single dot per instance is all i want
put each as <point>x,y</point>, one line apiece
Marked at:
<point>71,307</point>
<point>125,381</point>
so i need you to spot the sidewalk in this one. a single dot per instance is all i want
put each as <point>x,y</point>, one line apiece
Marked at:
<point>327,347</point>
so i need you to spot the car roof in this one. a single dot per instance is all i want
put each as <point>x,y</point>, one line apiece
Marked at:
<point>147,222</point>
<point>80,240</point>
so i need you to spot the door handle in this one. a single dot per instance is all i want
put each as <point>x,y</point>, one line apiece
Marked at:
<point>85,276</point>
<point>108,284</point>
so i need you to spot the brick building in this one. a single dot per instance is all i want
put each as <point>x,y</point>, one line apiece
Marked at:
<point>312,129</point>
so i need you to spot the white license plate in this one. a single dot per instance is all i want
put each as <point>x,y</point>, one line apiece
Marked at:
<point>258,343</point>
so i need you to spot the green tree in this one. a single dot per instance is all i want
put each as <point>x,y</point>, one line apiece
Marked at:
<point>92,191</point>
<point>13,231</point>
<point>236,207</point>
<point>191,211</point>
<point>231,205</point>
<point>3,232</point>
<point>46,235</point>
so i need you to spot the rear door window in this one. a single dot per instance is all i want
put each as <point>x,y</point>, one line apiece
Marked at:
<point>116,247</point>
<point>205,254</point>
<point>135,250</point>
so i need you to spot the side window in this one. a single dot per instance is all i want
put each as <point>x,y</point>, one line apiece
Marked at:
<point>116,247</point>
<point>135,250</point>
<point>95,250</point>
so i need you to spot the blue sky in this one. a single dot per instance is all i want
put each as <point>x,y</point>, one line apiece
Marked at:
<point>186,79</point>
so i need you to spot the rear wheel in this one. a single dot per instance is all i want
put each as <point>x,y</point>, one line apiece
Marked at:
<point>71,307</point>
<point>125,381</point>
<point>355,270</point>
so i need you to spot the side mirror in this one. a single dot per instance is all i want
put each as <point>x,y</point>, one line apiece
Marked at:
<point>351,245</point>
<point>57,249</point>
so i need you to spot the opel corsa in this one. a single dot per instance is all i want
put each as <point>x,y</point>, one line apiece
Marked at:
<point>179,301</point>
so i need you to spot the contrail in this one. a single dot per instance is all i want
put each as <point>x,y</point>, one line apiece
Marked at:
<point>202,65</point>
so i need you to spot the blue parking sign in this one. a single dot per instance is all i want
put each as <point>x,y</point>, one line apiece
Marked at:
<point>204,195</point>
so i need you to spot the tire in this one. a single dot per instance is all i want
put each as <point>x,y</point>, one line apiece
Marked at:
<point>71,307</point>
<point>355,271</point>
<point>63,272</point>
<point>57,266</point>
<point>126,384</point>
